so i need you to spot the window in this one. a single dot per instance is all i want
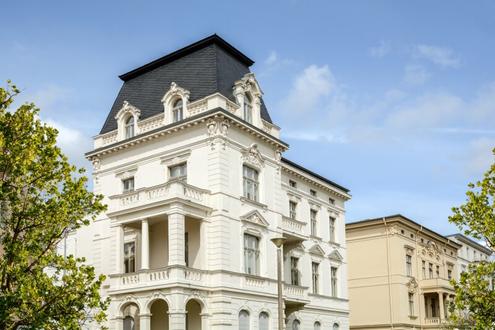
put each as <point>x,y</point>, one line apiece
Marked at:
<point>129,127</point>
<point>317,326</point>
<point>248,109</point>
<point>331,221</point>
<point>438,271</point>
<point>128,185</point>
<point>333,274</point>
<point>315,276</point>
<point>314,223</point>
<point>264,321</point>
<point>251,254</point>
<point>312,192</point>
<point>294,271</point>
<point>423,267</point>
<point>130,257</point>
<point>177,111</point>
<point>178,171</point>
<point>186,248</point>
<point>335,326</point>
<point>292,209</point>
<point>411,304</point>
<point>292,184</point>
<point>128,323</point>
<point>296,325</point>
<point>430,270</point>
<point>449,274</point>
<point>408,265</point>
<point>250,181</point>
<point>243,320</point>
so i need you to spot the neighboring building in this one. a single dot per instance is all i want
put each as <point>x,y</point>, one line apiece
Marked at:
<point>191,167</point>
<point>399,274</point>
<point>470,252</point>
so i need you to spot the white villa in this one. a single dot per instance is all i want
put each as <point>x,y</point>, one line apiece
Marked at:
<point>190,165</point>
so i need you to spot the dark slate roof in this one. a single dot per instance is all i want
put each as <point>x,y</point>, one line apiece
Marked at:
<point>205,67</point>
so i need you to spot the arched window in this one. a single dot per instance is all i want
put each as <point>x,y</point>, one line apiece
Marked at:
<point>243,320</point>
<point>296,325</point>
<point>177,110</point>
<point>336,326</point>
<point>264,320</point>
<point>317,325</point>
<point>248,109</point>
<point>129,127</point>
<point>128,323</point>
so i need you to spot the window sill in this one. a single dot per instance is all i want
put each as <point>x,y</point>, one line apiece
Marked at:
<point>413,317</point>
<point>315,238</point>
<point>333,243</point>
<point>255,203</point>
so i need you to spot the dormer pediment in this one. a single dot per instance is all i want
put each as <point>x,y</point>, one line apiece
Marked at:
<point>317,250</point>
<point>255,217</point>
<point>127,108</point>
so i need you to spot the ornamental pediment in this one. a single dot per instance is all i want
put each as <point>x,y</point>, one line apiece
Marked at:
<point>336,256</point>
<point>317,250</point>
<point>253,156</point>
<point>256,218</point>
<point>127,108</point>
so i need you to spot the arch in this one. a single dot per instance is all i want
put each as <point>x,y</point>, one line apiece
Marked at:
<point>244,319</point>
<point>123,117</point>
<point>171,97</point>
<point>129,127</point>
<point>193,314</point>
<point>177,110</point>
<point>129,312</point>
<point>159,314</point>
<point>247,108</point>
<point>335,326</point>
<point>129,323</point>
<point>128,301</point>
<point>147,307</point>
<point>296,324</point>
<point>263,321</point>
<point>317,325</point>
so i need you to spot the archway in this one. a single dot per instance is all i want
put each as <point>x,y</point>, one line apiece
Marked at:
<point>159,315</point>
<point>193,316</point>
<point>130,316</point>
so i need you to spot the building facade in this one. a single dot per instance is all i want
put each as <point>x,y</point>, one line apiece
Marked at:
<point>470,252</point>
<point>190,165</point>
<point>399,273</point>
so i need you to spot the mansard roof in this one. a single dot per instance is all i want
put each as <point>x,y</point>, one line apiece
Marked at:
<point>208,66</point>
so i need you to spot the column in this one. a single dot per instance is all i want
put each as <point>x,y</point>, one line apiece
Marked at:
<point>204,321</point>
<point>145,244</point>
<point>119,245</point>
<point>177,320</point>
<point>422,308</point>
<point>144,321</point>
<point>176,224</point>
<point>441,305</point>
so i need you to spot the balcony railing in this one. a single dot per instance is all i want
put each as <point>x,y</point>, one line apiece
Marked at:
<point>433,283</point>
<point>293,225</point>
<point>161,192</point>
<point>432,320</point>
<point>151,277</point>
<point>294,291</point>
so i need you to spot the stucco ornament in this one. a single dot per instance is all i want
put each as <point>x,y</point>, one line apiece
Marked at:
<point>174,93</point>
<point>253,156</point>
<point>217,130</point>
<point>393,230</point>
<point>96,163</point>
<point>127,108</point>
<point>412,285</point>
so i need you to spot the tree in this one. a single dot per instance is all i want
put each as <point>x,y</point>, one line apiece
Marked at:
<point>474,303</point>
<point>42,199</point>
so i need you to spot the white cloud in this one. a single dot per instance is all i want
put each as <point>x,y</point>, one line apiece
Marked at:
<point>480,155</point>
<point>314,136</point>
<point>380,50</point>
<point>309,87</point>
<point>72,142</point>
<point>442,56</point>
<point>272,58</point>
<point>415,74</point>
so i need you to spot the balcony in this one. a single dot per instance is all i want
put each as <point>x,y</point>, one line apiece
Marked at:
<point>432,321</point>
<point>150,196</point>
<point>293,229</point>
<point>157,277</point>
<point>432,284</point>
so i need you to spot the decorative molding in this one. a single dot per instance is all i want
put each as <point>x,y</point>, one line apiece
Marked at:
<point>253,156</point>
<point>173,93</point>
<point>393,230</point>
<point>129,173</point>
<point>217,130</point>
<point>127,108</point>
<point>96,163</point>
<point>256,218</point>
<point>412,285</point>
<point>335,256</point>
<point>317,250</point>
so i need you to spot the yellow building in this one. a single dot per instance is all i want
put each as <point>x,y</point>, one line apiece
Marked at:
<point>399,274</point>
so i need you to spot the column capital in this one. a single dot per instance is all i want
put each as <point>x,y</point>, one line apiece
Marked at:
<point>177,312</point>
<point>145,315</point>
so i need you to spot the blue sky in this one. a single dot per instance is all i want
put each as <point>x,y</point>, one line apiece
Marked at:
<point>393,99</point>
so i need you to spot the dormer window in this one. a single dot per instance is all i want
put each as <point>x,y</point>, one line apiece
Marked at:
<point>129,127</point>
<point>177,111</point>
<point>248,109</point>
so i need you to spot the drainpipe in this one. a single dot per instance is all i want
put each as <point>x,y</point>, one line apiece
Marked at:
<point>389,275</point>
